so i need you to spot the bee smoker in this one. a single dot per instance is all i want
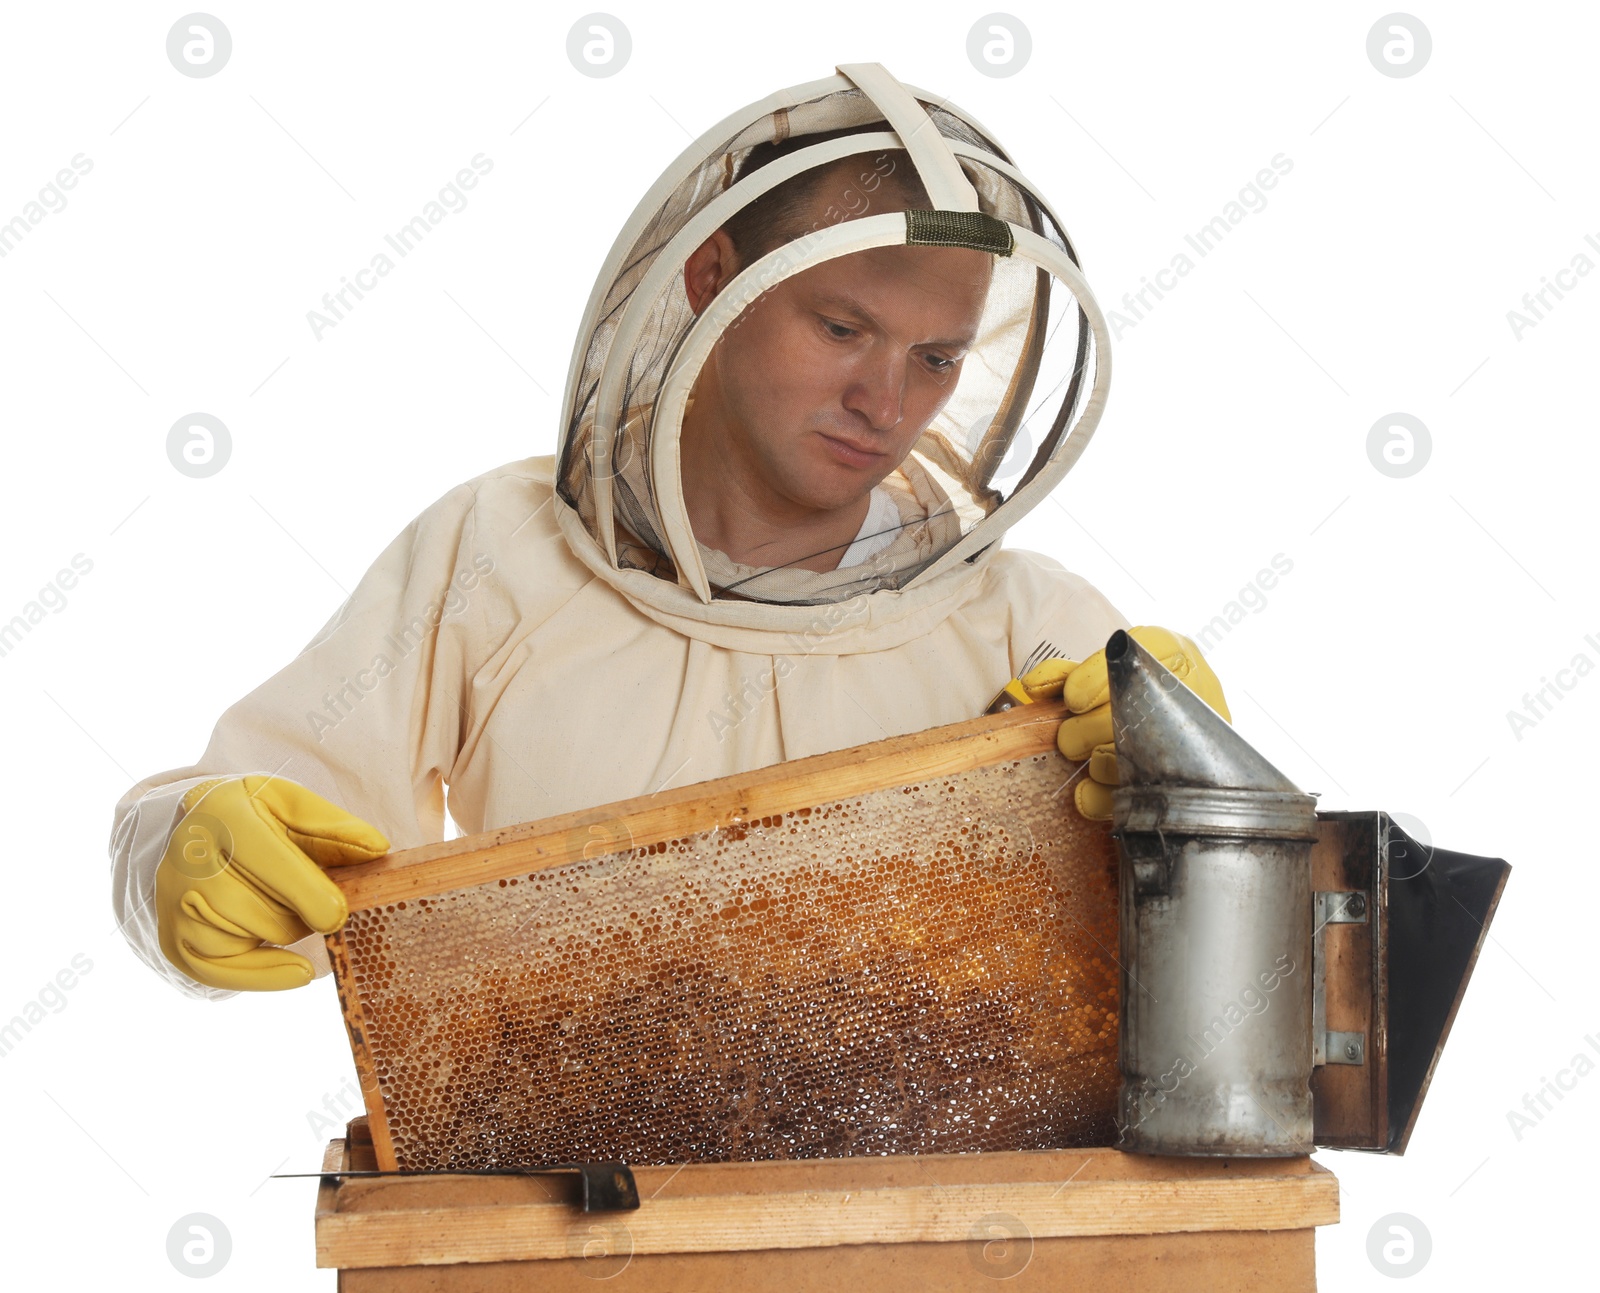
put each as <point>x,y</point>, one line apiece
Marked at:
<point>1266,949</point>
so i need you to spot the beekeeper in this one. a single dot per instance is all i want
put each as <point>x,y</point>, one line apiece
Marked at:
<point>841,346</point>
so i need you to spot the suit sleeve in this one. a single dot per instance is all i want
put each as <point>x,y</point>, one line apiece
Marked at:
<point>369,715</point>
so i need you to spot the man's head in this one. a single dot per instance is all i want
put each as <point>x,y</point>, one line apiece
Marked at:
<point>858,353</point>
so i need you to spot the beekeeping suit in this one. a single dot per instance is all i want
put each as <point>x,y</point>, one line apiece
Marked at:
<point>552,635</point>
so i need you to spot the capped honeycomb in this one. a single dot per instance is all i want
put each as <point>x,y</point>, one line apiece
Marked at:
<point>926,968</point>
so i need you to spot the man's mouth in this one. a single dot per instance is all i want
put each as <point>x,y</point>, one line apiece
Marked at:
<point>850,453</point>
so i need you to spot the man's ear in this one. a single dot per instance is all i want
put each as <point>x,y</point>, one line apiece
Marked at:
<point>709,269</point>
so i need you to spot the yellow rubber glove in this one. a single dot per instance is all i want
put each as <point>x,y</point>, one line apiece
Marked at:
<point>1086,687</point>
<point>243,869</point>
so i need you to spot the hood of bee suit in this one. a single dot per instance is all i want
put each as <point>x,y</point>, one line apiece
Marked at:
<point>1030,391</point>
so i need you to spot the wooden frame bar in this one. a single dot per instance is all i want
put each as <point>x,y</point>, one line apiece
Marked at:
<point>651,819</point>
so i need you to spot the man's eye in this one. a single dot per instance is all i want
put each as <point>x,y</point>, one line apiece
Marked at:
<point>940,364</point>
<point>838,329</point>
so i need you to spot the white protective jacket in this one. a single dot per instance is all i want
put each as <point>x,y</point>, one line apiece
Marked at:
<point>509,651</point>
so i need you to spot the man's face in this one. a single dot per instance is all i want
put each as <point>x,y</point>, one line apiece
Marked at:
<point>826,381</point>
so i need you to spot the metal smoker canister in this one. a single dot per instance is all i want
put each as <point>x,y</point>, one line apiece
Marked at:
<point>1216,934</point>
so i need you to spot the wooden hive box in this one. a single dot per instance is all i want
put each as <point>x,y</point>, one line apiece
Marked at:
<point>1045,1220</point>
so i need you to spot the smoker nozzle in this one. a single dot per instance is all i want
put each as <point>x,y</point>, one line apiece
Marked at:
<point>1166,735</point>
<point>1181,768</point>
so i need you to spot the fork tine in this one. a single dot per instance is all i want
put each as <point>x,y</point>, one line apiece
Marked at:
<point>1044,651</point>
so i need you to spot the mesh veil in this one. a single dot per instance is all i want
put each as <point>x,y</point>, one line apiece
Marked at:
<point>1023,392</point>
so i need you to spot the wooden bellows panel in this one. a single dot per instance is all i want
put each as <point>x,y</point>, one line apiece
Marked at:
<point>906,947</point>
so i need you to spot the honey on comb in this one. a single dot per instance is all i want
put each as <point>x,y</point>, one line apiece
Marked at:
<point>921,969</point>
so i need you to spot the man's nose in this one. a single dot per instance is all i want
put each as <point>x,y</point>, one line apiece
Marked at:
<point>879,389</point>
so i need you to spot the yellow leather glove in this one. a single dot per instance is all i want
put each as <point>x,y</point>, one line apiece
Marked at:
<point>1086,687</point>
<point>242,869</point>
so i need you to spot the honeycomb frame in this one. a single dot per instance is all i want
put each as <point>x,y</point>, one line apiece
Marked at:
<point>903,947</point>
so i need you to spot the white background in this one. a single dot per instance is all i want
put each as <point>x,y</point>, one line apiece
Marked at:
<point>1419,210</point>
